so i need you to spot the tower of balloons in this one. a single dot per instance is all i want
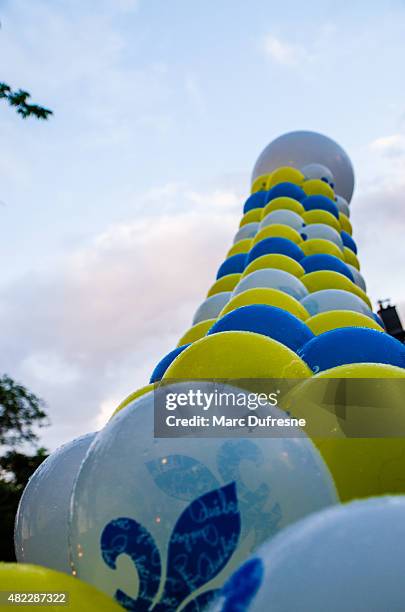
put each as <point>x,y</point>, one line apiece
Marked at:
<point>123,519</point>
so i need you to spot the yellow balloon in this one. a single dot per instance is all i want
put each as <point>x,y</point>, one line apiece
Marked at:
<point>285,174</point>
<point>237,354</point>
<point>196,332</point>
<point>313,246</point>
<point>333,319</point>
<point>243,246</point>
<point>345,223</point>
<point>252,215</point>
<point>321,216</point>
<point>133,396</point>
<point>260,183</point>
<point>282,203</point>
<point>363,467</point>
<point>271,297</point>
<point>278,230</point>
<point>351,258</point>
<point>25,578</point>
<point>318,187</point>
<point>225,283</point>
<point>328,279</point>
<point>274,260</point>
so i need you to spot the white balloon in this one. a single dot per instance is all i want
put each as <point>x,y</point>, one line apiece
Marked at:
<point>283,217</point>
<point>274,279</point>
<point>334,299</point>
<point>317,171</point>
<point>246,231</point>
<point>358,278</point>
<point>342,205</point>
<point>41,528</point>
<point>172,515</point>
<point>321,230</point>
<point>211,307</point>
<point>349,557</point>
<point>300,148</point>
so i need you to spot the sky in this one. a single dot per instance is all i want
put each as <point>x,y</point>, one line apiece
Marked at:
<point>116,213</point>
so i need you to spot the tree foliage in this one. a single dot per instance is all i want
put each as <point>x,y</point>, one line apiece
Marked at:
<point>19,100</point>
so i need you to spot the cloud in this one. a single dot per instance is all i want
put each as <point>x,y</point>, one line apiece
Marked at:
<point>389,146</point>
<point>284,53</point>
<point>98,323</point>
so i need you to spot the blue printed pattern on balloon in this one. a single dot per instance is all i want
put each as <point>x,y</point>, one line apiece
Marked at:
<point>209,525</point>
<point>241,588</point>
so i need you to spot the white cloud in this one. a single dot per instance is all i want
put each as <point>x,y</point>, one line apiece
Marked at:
<point>284,53</point>
<point>389,146</point>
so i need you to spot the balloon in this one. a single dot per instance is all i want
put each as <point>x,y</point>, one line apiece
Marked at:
<point>325,232</point>
<point>320,202</point>
<point>319,246</point>
<point>286,190</point>
<point>334,299</point>
<point>313,263</point>
<point>283,203</point>
<point>345,224</point>
<point>161,507</point>
<point>267,320</point>
<point>211,307</point>
<point>24,578</point>
<point>302,147</point>
<point>327,279</point>
<point>250,217</point>
<point>225,283</point>
<point>350,258</point>
<point>138,393</point>
<point>333,319</point>
<point>318,171</point>
<point>256,200</point>
<point>321,216</point>
<point>378,320</point>
<point>233,265</point>
<point>342,205</point>
<point>271,297</point>
<point>316,187</point>
<point>312,555</point>
<point>348,241</point>
<point>352,345</point>
<point>285,174</point>
<point>272,279</point>
<point>243,246</point>
<point>246,231</point>
<point>164,363</point>
<point>260,183</point>
<point>196,332</point>
<point>277,230</point>
<point>285,217</point>
<point>275,260</point>
<point>282,246</point>
<point>41,529</point>
<point>357,277</point>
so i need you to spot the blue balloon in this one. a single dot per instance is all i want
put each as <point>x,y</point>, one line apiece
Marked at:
<point>282,246</point>
<point>320,202</point>
<point>269,321</point>
<point>288,190</point>
<point>256,200</point>
<point>164,363</point>
<point>352,345</point>
<point>348,241</point>
<point>378,320</point>
<point>321,261</point>
<point>232,265</point>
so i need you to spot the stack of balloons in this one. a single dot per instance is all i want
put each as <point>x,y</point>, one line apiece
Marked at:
<point>238,524</point>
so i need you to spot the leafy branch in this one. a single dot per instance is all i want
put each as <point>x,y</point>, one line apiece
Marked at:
<point>19,100</point>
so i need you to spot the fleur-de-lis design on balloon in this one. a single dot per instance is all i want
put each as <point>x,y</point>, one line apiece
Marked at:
<point>203,540</point>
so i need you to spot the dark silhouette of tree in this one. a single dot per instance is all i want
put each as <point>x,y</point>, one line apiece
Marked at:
<point>19,100</point>
<point>21,412</point>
